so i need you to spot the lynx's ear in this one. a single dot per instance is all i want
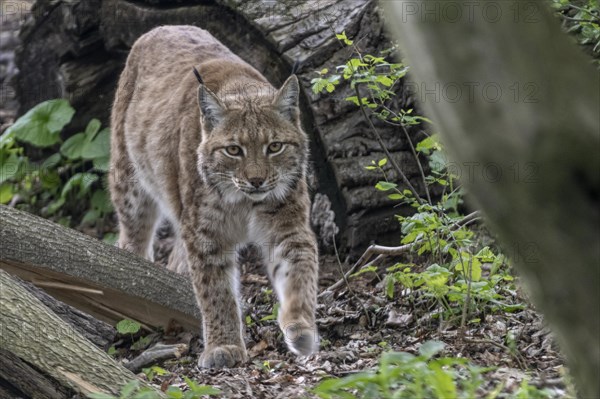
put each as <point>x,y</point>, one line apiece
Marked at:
<point>286,100</point>
<point>211,107</point>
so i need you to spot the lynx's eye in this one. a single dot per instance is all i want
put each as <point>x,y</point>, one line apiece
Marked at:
<point>234,151</point>
<point>275,148</point>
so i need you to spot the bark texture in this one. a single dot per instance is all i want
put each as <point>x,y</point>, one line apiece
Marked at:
<point>99,279</point>
<point>20,380</point>
<point>76,49</point>
<point>96,331</point>
<point>529,159</point>
<point>34,334</point>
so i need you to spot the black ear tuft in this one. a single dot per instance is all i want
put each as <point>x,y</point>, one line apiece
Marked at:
<point>197,74</point>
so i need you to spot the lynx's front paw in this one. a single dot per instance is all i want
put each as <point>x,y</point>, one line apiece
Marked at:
<point>301,338</point>
<point>222,356</point>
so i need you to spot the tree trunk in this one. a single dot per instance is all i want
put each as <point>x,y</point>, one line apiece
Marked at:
<point>76,49</point>
<point>97,278</point>
<point>525,135</point>
<point>33,333</point>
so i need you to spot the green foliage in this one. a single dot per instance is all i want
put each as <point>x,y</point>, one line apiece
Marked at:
<point>273,315</point>
<point>460,274</point>
<point>127,326</point>
<point>70,178</point>
<point>582,19</point>
<point>41,126</point>
<point>134,390</point>
<point>153,371</point>
<point>404,375</point>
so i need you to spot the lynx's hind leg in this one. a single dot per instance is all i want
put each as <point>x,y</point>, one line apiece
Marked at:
<point>136,210</point>
<point>138,219</point>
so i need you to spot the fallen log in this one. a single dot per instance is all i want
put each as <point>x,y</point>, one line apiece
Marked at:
<point>99,279</point>
<point>96,331</point>
<point>19,380</point>
<point>34,334</point>
<point>156,354</point>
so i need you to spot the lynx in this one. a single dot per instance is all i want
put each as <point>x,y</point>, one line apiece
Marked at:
<point>224,161</point>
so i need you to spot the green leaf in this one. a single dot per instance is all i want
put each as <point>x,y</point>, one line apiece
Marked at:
<point>382,162</point>
<point>385,186</point>
<point>397,358</point>
<point>6,193</point>
<point>442,382</point>
<point>342,36</point>
<point>92,128</point>
<point>82,180</point>
<point>486,255</point>
<point>101,201</point>
<point>112,351</point>
<point>389,287</point>
<point>353,99</point>
<point>129,388</point>
<point>475,269</point>
<point>127,326</point>
<point>384,80</point>
<point>41,126</point>
<point>73,147</point>
<point>90,216</point>
<point>48,174</point>
<point>200,389</point>
<point>99,147</point>
<point>9,166</point>
<point>54,206</point>
<point>102,164</point>
<point>174,392</point>
<point>428,144</point>
<point>100,395</point>
<point>396,196</point>
<point>7,139</point>
<point>141,343</point>
<point>367,269</point>
<point>438,161</point>
<point>110,238</point>
<point>431,348</point>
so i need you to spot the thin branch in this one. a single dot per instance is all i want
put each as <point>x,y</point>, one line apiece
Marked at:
<point>384,148</point>
<point>383,251</point>
<point>467,219</point>
<point>352,270</point>
<point>516,355</point>
<point>413,150</point>
<point>593,20</point>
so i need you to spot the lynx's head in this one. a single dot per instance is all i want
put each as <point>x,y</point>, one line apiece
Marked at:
<point>253,146</point>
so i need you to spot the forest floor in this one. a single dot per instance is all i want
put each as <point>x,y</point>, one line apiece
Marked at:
<point>357,323</point>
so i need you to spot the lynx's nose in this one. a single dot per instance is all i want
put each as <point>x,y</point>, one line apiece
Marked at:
<point>256,182</point>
